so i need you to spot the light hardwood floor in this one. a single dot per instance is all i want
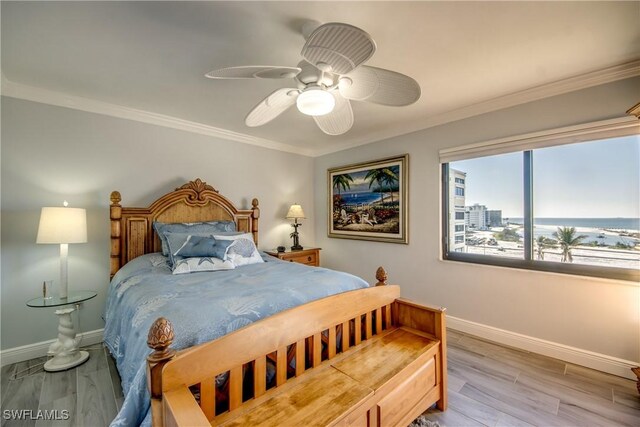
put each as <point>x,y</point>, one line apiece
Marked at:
<point>489,385</point>
<point>91,393</point>
<point>493,385</point>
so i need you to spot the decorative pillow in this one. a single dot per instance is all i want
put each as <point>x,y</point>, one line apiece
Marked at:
<point>183,245</point>
<point>193,265</point>
<point>191,228</point>
<point>241,250</point>
<point>190,245</point>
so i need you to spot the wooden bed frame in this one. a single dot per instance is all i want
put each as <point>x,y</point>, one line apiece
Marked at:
<point>327,335</point>
<point>369,359</point>
<point>132,231</point>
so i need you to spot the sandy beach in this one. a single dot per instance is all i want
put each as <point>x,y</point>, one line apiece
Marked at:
<point>606,256</point>
<point>387,198</point>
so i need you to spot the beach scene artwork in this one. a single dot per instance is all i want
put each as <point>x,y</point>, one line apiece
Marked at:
<point>368,200</point>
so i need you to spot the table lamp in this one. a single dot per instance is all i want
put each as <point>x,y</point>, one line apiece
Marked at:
<point>295,213</point>
<point>62,225</point>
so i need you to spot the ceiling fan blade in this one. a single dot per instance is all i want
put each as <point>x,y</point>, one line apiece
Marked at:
<point>340,120</point>
<point>342,46</point>
<point>271,107</point>
<point>254,71</point>
<point>380,86</point>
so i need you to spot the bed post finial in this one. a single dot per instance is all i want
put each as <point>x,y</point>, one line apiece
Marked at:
<point>381,276</point>
<point>159,339</point>
<point>255,214</point>
<point>115,215</point>
<point>116,198</point>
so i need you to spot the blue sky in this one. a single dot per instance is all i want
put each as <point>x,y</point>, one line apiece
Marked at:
<point>360,185</point>
<point>599,179</point>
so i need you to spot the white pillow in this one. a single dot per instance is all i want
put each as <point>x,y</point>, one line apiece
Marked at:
<point>242,251</point>
<point>193,265</point>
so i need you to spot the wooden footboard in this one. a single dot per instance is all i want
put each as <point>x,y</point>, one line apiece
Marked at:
<point>376,358</point>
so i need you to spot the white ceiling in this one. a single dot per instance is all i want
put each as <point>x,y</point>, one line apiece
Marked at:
<point>152,56</point>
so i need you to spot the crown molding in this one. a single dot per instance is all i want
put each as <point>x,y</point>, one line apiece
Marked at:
<point>583,81</point>
<point>44,96</point>
<point>571,84</point>
<point>635,110</point>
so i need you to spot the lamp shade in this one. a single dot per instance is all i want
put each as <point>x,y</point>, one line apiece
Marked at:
<point>295,211</point>
<point>62,225</point>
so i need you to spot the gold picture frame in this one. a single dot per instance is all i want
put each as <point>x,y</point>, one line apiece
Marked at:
<point>370,200</point>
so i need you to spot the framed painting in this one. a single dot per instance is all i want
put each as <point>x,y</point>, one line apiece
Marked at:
<point>368,201</point>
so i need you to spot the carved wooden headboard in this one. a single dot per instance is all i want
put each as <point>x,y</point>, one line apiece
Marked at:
<point>132,231</point>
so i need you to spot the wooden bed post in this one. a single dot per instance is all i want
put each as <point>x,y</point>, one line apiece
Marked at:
<point>115,213</point>
<point>159,339</point>
<point>381,276</point>
<point>255,214</point>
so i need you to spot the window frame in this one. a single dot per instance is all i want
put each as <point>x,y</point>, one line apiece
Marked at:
<point>528,263</point>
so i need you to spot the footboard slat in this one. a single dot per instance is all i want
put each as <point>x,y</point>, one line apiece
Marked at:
<point>235,387</point>
<point>345,336</point>
<point>357,330</point>
<point>281,366</point>
<point>378,320</point>
<point>208,397</point>
<point>317,349</point>
<point>367,327</point>
<point>387,317</point>
<point>260,376</point>
<point>332,342</point>
<point>300,360</point>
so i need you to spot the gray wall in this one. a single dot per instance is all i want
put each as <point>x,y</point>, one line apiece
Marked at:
<point>593,314</point>
<point>51,154</point>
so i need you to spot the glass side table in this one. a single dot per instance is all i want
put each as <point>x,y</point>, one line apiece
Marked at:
<point>65,350</point>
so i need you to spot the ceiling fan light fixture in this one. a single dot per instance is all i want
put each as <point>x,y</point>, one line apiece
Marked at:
<point>315,101</point>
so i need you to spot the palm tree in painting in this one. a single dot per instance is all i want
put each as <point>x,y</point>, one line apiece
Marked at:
<point>380,177</point>
<point>567,239</point>
<point>543,243</point>
<point>391,180</point>
<point>342,182</point>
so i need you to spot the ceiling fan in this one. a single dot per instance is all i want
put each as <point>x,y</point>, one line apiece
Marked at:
<point>330,75</point>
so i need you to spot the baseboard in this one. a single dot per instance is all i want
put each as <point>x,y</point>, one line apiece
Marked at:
<point>39,349</point>
<point>578,356</point>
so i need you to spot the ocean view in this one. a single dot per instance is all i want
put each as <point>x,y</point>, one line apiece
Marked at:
<point>607,241</point>
<point>602,223</point>
<point>360,197</point>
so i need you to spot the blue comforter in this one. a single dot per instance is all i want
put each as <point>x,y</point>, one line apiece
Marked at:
<point>202,307</point>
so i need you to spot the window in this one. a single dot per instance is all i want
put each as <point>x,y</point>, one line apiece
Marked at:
<point>459,239</point>
<point>459,191</point>
<point>570,208</point>
<point>495,183</point>
<point>459,180</point>
<point>585,203</point>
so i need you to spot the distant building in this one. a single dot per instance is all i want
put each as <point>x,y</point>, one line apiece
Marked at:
<point>476,217</point>
<point>457,188</point>
<point>495,218</point>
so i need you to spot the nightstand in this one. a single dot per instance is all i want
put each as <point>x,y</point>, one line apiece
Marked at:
<point>309,256</point>
<point>65,350</point>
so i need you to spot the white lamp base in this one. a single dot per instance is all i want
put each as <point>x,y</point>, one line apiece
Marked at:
<point>63,363</point>
<point>65,349</point>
